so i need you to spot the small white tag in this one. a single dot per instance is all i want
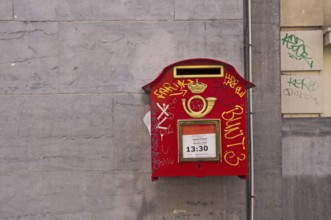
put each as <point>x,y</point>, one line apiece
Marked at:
<point>147,121</point>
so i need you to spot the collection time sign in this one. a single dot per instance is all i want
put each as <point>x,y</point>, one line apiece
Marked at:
<point>199,140</point>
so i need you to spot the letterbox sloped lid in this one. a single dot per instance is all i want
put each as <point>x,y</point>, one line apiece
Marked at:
<point>199,61</point>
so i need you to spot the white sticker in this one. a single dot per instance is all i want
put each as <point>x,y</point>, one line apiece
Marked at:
<point>199,146</point>
<point>147,121</point>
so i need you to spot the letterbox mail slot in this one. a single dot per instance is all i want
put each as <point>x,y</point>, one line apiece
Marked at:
<point>202,71</point>
<point>198,120</point>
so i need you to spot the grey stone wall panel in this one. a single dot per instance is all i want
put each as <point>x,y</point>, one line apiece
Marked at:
<point>20,195</point>
<point>55,154</point>
<point>272,15</point>
<point>306,169</point>
<point>235,197</point>
<point>196,198</point>
<point>268,192</point>
<point>74,145</point>
<point>56,133</point>
<point>116,195</point>
<point>101,10</point>
<point>307,175</point>
<point>121,57</point>
<point>302,126</point>
<point>208,9</point>
<point>306,197</point>
<point>70,10</point>
<point>266,102</point>
<point>87,195</point>
<point>121,207</point>
<point>266,109</point>
<point>63,116</point>
<point>6,10</point>
<point>29,58</point>
<point>131,137</point>
<point>265,150</point>
<point>306,156</point>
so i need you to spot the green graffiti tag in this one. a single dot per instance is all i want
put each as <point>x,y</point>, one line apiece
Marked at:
<point>303,83</point>
<point>298,49</point>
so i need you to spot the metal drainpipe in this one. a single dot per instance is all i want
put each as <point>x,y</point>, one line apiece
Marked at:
<point>248,60</point>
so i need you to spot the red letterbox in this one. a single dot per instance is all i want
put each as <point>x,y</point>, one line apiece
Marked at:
<point>198,120</point>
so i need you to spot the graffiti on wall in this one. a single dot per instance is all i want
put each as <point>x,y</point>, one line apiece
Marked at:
<point>301,50</point>
<point>298,49</point>
<point>301,94</point>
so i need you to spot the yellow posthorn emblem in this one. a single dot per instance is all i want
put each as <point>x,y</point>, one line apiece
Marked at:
<point>207,104</point>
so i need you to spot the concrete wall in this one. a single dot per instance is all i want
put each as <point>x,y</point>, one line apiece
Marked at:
<point>306,152</point>
<point>306,168</point>
<point>266,108</point>
<point>73,144</point>
<point>302,13</point>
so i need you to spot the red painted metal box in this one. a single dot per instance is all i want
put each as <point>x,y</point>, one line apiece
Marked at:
<point>198,120</point>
